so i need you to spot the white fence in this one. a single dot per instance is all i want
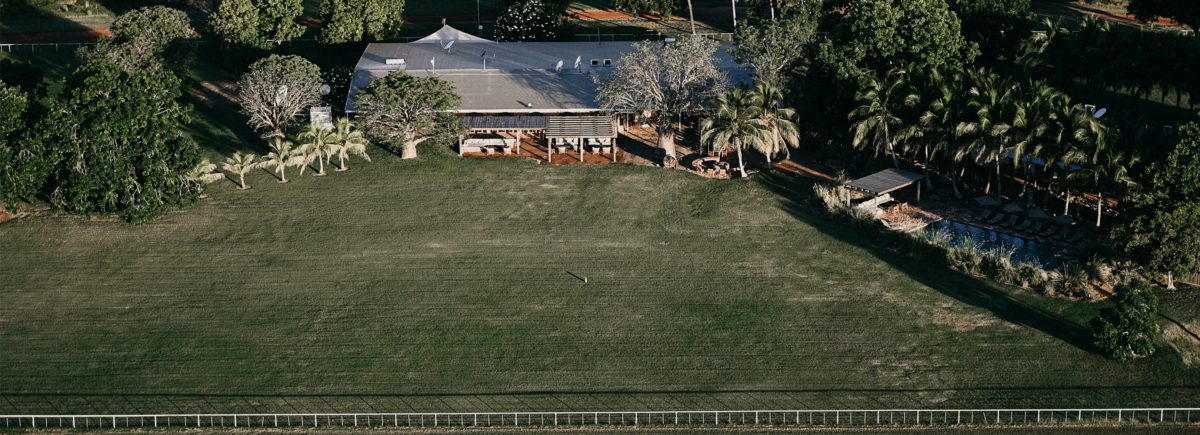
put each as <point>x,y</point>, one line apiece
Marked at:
<point>810,418</point>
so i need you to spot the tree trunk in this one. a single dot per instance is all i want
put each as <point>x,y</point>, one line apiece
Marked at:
<point>242,180</point>
<point>1170,281</point>
<point>320,166</point>
<point>342,160</point>
<point>928,178</point>
<point>741,164</point>
<point>691,17</point>
<point>282,173</point>
<point>409,151</point>
<point>734,9</point>
<point>666,139</point>
<point>1099,206</point>
<point>999,188</point>
<point>1067,207</point>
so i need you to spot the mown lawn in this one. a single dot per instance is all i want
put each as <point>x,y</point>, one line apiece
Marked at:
<point>447,284</point>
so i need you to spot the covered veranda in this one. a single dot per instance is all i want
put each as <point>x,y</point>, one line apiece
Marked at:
<point>880,185</point>
<point>507,134</point>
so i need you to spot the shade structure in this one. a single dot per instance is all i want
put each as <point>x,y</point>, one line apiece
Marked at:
<point>580,126</point>
<point>885,181</point>
<point>510,123</point>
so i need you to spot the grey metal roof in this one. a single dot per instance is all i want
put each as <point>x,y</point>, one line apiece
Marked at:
<point>492,122</point>
<point>520,77</point>
<point>885,181</point>
<point>581,126</point>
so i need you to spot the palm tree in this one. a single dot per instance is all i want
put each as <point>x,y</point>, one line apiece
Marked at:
<point>240,164</point>
<point>691,16</point>
<point>203,173</point>
<point>987,129</point>
<point>1103,166</point>
<point>736,124</point>
<point>281,156</point>
<point>778,119</point>
<point>876,120</point>
<point>315,146</point>
<point>347,140</point>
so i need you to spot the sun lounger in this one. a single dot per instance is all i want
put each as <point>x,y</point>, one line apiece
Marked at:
<point>996,219</point>
<point>1062,234</point>
<point>1011,220</point>
<point>1037,226</point>
<point>1049,230</point>
<point>1078,236</point>
<point>983,215</point>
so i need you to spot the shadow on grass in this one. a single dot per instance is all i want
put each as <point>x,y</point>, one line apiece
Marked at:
<point>933,273</point>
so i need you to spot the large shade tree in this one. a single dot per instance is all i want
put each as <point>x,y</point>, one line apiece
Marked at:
<point>116,144</point>
<point>257,23</point>
<point>358,20</point>
<point>774,48</point>
<point>400,110</point>
<point>13,103</point>
<point>529,20</point>
<point>145,37</point>
<point>277,90</point>
<point>668,81</point>
<point>924,33</point>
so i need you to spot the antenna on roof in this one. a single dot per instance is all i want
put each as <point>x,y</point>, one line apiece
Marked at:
<point>558,66</point>
<point>578,60</point>
<point>447,46</point>
<point>433,64</point>
<point>443,21</point>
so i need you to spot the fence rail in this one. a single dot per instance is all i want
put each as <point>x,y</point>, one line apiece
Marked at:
<point>811,418</point>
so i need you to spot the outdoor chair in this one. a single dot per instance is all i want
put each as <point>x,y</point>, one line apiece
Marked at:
<point>983,215</point>
<point>1011,220</point>
<point>1024,225</point>
<point>996,219</point>
<point>1037,226</point>
<point>1062,235</point>
<point>1049,230</point>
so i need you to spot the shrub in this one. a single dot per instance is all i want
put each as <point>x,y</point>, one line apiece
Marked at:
<point>1128,329</point>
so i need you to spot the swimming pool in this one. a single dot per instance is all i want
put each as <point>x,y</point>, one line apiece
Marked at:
<point>1047,255</point>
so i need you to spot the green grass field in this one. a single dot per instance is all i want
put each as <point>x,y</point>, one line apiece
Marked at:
<point>448,284</point>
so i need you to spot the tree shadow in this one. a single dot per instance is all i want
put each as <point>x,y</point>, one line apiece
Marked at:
<point>794,192</point>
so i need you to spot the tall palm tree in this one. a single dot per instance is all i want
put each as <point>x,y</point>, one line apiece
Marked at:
<point>282,155</point>
<point>735,124</point>
<point>987,129</point>
<point>240,164</point>
<point>315,145</point>
<point>346,141</point>
<point>876,120</point>
<point>1103,166</point>
<point>778,119</point>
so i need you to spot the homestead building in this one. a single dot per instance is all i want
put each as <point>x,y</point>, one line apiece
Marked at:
<point>514,91</point>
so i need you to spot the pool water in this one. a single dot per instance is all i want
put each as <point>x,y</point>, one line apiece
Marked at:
<point>1047,255</point>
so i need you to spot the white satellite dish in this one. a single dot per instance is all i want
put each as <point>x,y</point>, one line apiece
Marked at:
<point>447,46</point>
<point>1100,113</point>
<point>578,60</point>
<point>558,66</point>
<point>325,89</point>
<point>281,94</point>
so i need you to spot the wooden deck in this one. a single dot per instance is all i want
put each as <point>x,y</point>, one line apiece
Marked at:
<point>532,148</point>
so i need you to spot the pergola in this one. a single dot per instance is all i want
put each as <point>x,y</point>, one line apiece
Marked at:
<point>581,131</point>
<point>887,181</point>
<point>518,125</point>
<point>575,131</point>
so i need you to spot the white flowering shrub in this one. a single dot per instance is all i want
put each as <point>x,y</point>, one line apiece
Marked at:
<point>528,20</point>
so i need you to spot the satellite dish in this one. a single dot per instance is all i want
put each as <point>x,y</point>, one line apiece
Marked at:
<point>447,46</point>
<point>325,89</point>
<point>1100,113</point>
<point>578,60</point>
<point>558,66</point>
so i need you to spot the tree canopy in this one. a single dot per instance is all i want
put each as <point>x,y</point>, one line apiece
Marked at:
<point>1127,329</point>
<point>667,80</point>
<point>775,47</point>
<point>1177,177</point>
<point>998,26</point>
<point>114,143</point>
<point>529,20</point>
<point>357,20</point>
<point>398,108</point>
<point>665,8</point>
<point>257,23</point>
<point>277,90</point>
<point>13,103</point>
<point>140,38</point>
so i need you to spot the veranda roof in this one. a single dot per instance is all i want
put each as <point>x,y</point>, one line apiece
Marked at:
<point>580,126</point>
<point>885,181</point>
<point>511,122</point>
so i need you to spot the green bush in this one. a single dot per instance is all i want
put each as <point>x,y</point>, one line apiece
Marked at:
<point>1128,329</point>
